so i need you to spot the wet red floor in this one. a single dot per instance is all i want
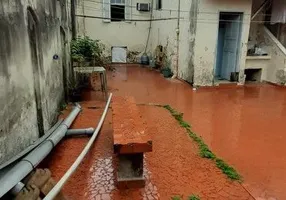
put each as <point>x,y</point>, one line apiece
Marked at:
<point>243,126</point>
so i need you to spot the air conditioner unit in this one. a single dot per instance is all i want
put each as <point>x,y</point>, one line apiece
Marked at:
<point>144,7</point>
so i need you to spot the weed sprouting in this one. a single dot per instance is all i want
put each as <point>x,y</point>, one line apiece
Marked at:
<point>194,197</point>
<point>204,150</point>
<point>176,198</point>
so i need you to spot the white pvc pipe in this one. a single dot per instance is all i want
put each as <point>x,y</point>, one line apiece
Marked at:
<point>53,193</point>
<point>75,132</point>
<point>17,188</point>
<point>29,162</point>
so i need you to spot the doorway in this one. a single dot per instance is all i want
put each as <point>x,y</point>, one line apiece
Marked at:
<point>228,46</point>
<point>34,45</point>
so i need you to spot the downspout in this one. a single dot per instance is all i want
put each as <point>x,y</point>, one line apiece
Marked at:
<point>83,11</point>
<point>178,40</point>
<point>73,19</point>
<point>29,162</point>
<point>150,26</point>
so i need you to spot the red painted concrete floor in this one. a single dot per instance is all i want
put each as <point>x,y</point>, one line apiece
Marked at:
<point>245,126</point>
<point>173,168</point>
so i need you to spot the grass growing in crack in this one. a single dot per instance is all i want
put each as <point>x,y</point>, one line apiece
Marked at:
<point>194,197</point>
<point>204,150</point>
<point>178,116</point>
<point>228,170</point>
<point>176,198</point>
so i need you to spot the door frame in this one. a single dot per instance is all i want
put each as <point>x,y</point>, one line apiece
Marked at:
<point>239,49</point>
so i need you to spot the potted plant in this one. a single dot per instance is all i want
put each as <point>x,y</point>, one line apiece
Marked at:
<point>86,51</point>
<point>167,73</point>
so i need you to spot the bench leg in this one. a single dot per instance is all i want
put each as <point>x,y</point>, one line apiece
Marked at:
<point>105,84</point>
<point>130,171</point>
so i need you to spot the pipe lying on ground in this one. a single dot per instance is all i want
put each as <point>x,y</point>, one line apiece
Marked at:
<point>31,147</point>
<point>76,132</point>
<point>29,162</point>
<point>17,188</point>
<point>53,193</point>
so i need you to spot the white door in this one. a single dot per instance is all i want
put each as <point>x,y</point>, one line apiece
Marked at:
<point>119,54</point>
<point>231,47</point>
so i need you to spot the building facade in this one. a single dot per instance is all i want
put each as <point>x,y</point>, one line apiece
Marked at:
<point>207,46</point>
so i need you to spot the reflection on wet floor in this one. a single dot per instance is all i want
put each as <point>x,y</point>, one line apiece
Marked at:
<point>245,126</point>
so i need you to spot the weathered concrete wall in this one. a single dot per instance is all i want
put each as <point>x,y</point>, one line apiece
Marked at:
<point>258,22</point>
<point>164,33</point>
<point>276,70</point>
<point>131,34</point>
<point>207,36</point>
<point>19,127</point>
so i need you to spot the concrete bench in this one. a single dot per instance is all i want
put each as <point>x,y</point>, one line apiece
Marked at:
<point>130,142</point>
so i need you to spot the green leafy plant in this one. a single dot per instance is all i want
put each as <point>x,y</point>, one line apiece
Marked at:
<point>176,198</point>
<point>204,150</point>
<point>194,197</point>
<point>228,170</point>
<point>87,49</point>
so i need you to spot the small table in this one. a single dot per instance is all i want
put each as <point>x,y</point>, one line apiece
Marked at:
<point>90,70</point>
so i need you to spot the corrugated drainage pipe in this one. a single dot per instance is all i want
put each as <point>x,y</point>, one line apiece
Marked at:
<point>76,132</point>
<point>53,193</point>
<point>28,163</point>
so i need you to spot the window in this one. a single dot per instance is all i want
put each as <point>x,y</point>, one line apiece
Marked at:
<point>158,4</point>
<point>117,8</point>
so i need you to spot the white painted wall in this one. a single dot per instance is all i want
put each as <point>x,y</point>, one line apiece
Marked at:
<point>277,66</point>
<point>165,33</point>
<point>130,34</point>
<point>207,34</point>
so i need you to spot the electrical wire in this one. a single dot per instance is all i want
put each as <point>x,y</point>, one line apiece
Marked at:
<point>203,21</point>
<point>199,20</point>
<point>174,10</point>
<point>132,20</point>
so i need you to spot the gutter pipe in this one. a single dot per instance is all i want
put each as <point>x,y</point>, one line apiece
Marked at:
<point>57,188</point>
<point>29,162</point>
<point>178,40</point>
<point>76,132</point>
<point>31,147</point>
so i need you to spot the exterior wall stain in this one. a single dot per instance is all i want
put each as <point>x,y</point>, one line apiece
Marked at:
<point>192,41</point>
<point>18,127</point>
